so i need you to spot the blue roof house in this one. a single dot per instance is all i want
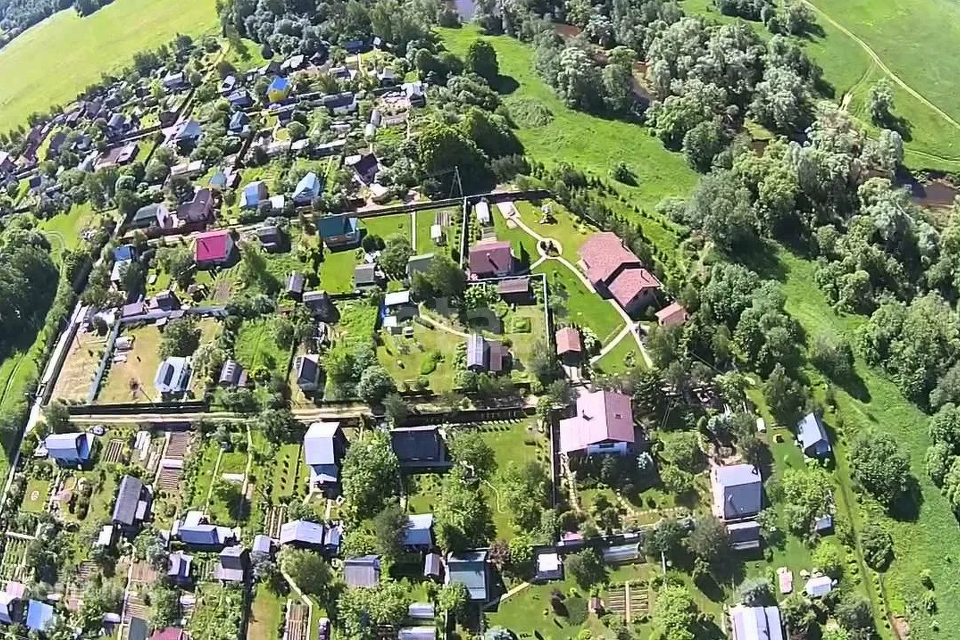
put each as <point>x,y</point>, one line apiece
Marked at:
<point>323,447</point>
<point>339,230</point>
<point>124,252</point>
<point>418,533</point>
<point>70,448</point>
<point>253,193</point>
<point>279,89</point>
<point>472,571</point>
<point>307,189</point>
<point>40,616</point>
<point>813,437</point>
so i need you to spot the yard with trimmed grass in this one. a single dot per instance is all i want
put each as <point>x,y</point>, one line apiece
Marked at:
<point>65,230</point>
<point>36,495</point>
<point>266,614</point>
<point>336,271</point>
<point>523,244</point>
<point>573,303</point>
<point>425,220</point>
<point>386,226</point>
<point>621,358</point>
<point>256,348</point>
<point>567,230</point>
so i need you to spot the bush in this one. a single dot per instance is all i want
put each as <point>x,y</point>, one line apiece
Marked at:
<point>520,325</point>
<point>877,547</point>
<point>429,364</point>
<point>576,611</point>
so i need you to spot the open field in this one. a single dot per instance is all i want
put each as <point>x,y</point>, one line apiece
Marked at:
<point>64,231</point>
<point>591,143</point>
<point>386,226</point>
<point>51,62</point>
<point>514,443</point>
<point>266,613</point>
<point>80,367</point>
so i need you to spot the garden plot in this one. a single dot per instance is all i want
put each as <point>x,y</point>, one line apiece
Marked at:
<point>257,350</point>
<point>11,566</point>
<point>80,367</point>
<point>425,351</point>
<point>448,219</point>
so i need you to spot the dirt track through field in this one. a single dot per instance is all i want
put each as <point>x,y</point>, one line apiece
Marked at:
<point>879,62</point>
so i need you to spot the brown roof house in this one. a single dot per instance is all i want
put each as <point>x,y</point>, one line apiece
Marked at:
<point>603,425</point>
<point>486,355</point>
<point>616,272</point>
<point>491,258</point>
<point>569,345</point>
<point>672,315</point>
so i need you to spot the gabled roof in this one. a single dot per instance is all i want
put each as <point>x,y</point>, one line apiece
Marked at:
<point>738,491</point>
<point>68,446</point>
<point>514,286</point>
<point>303,532</point>
<point>365,274</point>
<point>628,284</point>
<point>213,246</point>
<point>337,225</point>
<point>602,416</point>
<point>813,436</point>
<point>604,253</point>
<point>756,623</point>
<point>417,443</point>
<point>125,508</point>
<point>295,282</point>
<point>568,341</point>
<point>231,372</point>
<point>469,569</point>
<point>362,572</point>
<point>179,565</point>
<point>419,530</point>
<point>671,315</point>
<point>319,443</point>
<point>124,252</point>
<point>172,375</point>
<point>490,256</point>
<point>308,187</point>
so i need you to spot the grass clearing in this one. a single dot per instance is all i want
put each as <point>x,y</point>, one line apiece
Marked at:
<point>34,64</point>
<point>428,353</point>
<point>622,357</point>
<point>336,272</point>
<point>65,230</point>
<point>425,220</point>
<point>266,614</point>
<point>386,226</point>
<point>35,497</point>
<point>591,143</point>
<point>257,349</point>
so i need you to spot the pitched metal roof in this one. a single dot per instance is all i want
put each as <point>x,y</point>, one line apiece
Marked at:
<point>302,532</point>
<point>318,443</point>
<point>813,436</point>
<point>419,530</point>
<point>469,569</point>
<point>362,572</point>
<point>602,416</point>
<point>125,508</point>
<point>756,623</point>
<point>738,490</point>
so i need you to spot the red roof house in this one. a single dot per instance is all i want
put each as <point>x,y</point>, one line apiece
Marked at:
<point>672,315</point>
<point>615,271</point>
<point>214,248</point>
<point>490,258</point>
<point>603,424</point>
<point>568,342</point>
<point>170,633</point>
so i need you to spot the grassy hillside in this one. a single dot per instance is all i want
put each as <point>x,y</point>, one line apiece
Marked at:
<point>54,60</point>
<point>591,143</point>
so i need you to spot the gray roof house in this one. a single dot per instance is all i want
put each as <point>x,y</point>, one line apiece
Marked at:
<point>262,544</point>
<point>361,572</point>
<point>302,533</point>
<point>472,571</point>
<point>179,568</point>
<point>321,306</point>
<point>744,536</point>
<point>272,238</point>
<point>418,533</point>
<point>323,447</point>
<point>173,375</point>
<point>365,275</point>
<point>485,355</point>
<point>307,368</point>
<point>419,264</point>
<point>133,503</point>
<point>432,566</point>
<point>232,375</point>
<point>737,491</point>
<point>418,446</point>
<point>233,565</point>
<point>756,623</point>
<point>295,285</point>
<point>813,437</point>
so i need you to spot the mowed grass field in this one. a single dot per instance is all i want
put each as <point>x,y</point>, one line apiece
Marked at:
<point>50,63</point>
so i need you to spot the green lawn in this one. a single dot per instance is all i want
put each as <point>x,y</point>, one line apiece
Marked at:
<point>35,497</point>
<point>425,220</point>
<point>256,347</point>
<point>567,230</point>
<point>513,443</point>
<point>622,357</point>
<point>51,62</point>
<point>266,614</point>
<point>591,143</point>
<point>64,230</point>
<point>387,226</point>
<point>581,306</point>
<point>524,245</point>
<point>336,272</point>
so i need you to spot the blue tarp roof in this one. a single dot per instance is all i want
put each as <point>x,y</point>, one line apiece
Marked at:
<point>279,84</point>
